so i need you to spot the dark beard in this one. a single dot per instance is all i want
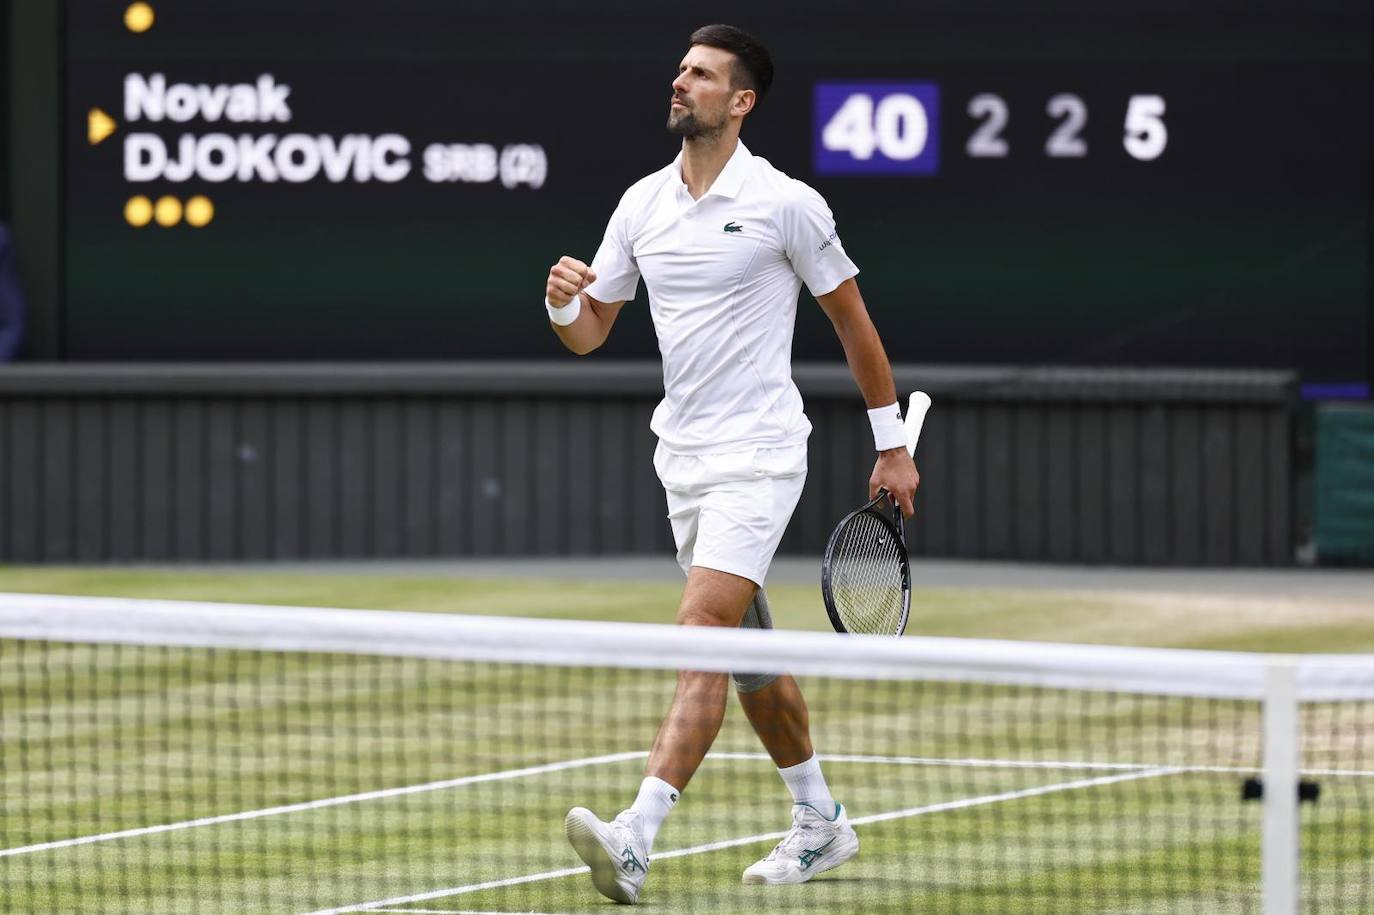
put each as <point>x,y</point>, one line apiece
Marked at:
<point>688,127</point>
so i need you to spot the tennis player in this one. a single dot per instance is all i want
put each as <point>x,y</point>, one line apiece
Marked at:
<point>724,242</point>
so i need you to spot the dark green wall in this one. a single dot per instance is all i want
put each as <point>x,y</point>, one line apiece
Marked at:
<point>32,163</point>
<point>149,462</point>
<point>5,110</point>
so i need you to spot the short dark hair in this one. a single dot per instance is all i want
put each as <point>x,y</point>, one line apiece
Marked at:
<point>754,68</point>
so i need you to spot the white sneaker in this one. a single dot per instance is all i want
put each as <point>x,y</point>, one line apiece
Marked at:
<point>614,851</point>
<point>812,846</point>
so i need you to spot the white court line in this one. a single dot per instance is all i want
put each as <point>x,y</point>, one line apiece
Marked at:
<point>961,804</point>
<point>1055,764</point>
<point>329,802</point>
<point>457,912</point>
<point>958,763</point>
<point>624,757</point>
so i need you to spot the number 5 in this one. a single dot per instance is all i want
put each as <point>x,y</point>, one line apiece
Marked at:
<point>1146,136</point>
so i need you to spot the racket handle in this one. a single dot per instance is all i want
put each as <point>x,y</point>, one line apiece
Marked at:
<point>915,417</point>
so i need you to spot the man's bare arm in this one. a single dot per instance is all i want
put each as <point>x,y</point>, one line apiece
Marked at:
<point>844,306</point>
<point>567,279</point>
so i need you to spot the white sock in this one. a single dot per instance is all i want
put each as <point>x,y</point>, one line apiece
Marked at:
<point>808,786</point>
<point>656,798</point>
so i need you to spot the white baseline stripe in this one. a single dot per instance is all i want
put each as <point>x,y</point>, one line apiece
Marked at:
<point>329,802</point>
<point>958,763</point>
<point>384,793</point>
<point>457,912</point>
<point>1057,764</point>
<point>960,804</point>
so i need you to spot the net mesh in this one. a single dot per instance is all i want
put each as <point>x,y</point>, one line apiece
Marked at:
<point>865,582</point>
<point>172,778</point>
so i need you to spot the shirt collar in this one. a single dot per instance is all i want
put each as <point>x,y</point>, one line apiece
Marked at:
<point>731,177</point>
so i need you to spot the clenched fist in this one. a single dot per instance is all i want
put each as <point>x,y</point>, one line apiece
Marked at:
<point>567,278</point>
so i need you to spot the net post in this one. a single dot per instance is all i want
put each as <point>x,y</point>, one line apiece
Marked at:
<point>1280,840</point>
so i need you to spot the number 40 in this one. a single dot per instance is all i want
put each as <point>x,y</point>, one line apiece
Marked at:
<point>896,126</point>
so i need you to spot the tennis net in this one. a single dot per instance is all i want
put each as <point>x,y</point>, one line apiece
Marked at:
<point>162,756</point>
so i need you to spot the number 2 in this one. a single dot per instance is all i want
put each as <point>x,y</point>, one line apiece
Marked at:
<point>987,142</point>
<point>1065,143</point>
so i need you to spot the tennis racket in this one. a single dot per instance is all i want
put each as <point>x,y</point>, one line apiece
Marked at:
<point>866,575</point>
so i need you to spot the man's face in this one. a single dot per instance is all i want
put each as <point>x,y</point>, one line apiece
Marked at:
<point>700,105</point>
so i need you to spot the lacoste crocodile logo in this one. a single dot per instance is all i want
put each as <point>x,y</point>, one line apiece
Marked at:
<point>731,227</point>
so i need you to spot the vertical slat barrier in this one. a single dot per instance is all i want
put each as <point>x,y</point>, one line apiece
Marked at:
<point>1155,476</point>
<point>1093,495</point>
<point>419,492</point>
<point>321,488</point>
<point>1218,488</point>
<point>967,485</point>
<point>26,475</point>
<point>253,453</point>
<point>550,464</point>
<point>155,483</point>
<point>1185,440</point>
<point>612,478</point>
<point>222,488</point>
<point>1030,483</point>
<point>455,493</point>
<point>241,462</point>
<point>578,478</point>
<point>388,491</point>
<point>122,471</point>
<point>355,478</point>
<point>517,505</point>
<point>90,483</point>
<point>488,479</point>
<point>288,479</point>
<point>1123,490</point>
<point>1249,515</point>
<point>1278,486</point>
<point>57,494</point>
<point>1279,848</point>
<point>1061,469</point>
<point>999,459</point>
<point>189,478</point>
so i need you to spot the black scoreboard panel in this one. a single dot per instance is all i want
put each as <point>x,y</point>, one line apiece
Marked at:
<point>1136,182</point>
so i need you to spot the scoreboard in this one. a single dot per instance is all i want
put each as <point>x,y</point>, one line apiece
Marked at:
<point>1068,182</point>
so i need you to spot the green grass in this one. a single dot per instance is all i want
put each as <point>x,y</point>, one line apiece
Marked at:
<point>98,739</point>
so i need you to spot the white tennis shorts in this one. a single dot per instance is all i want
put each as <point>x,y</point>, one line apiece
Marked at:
<point>729,511</point>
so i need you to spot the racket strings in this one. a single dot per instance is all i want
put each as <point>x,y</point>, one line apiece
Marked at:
<point>866,577</point>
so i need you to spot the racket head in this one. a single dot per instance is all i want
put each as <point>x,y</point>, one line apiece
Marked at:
<point>866,574</point>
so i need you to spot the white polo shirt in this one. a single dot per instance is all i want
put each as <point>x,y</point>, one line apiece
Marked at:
<point>723,274</point>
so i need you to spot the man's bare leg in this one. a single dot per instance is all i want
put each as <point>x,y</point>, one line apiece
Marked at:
<point>779,716</point>
<point>820,838</point>
<point>711,598</point>
<point>617,852</point>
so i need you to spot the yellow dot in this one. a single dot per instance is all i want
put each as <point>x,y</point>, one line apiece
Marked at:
<point>167,212</point>
<point>138,17</point>
<point>138,211</point>
<point>199,211</point>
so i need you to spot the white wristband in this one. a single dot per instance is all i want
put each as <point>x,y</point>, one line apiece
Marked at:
<point>888,429</point>
<point>567,314</point>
